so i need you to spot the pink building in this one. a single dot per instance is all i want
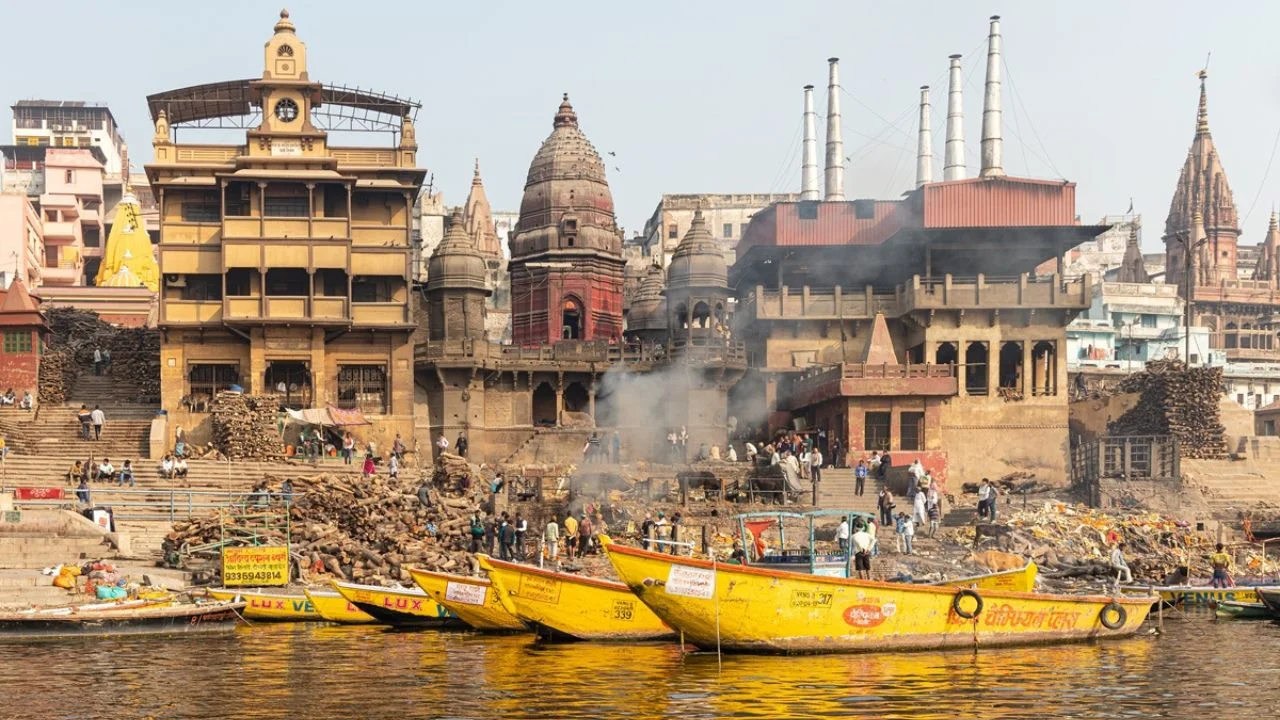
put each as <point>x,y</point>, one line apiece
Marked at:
<point>21,241</point>
<point>72,210</point>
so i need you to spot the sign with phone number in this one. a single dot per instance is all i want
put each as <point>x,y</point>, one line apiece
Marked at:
<point>255,566</point>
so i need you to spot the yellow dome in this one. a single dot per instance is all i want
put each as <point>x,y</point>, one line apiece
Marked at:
<point>128,249</point>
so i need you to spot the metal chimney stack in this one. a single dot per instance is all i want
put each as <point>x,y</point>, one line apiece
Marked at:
<point>924,150</point>
<point>809,164</point>
<point>953,161</point>
<point>835,145</point>
<point>992,141</point>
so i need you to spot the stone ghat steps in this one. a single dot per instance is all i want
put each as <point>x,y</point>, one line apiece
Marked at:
<point>104,390</point>
<point>37,552</point>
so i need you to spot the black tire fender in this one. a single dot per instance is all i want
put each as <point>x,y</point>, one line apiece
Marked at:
<point>1110,609</point>
<point>967,593</point>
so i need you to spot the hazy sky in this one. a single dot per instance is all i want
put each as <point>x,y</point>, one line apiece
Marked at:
<point>705,96</point>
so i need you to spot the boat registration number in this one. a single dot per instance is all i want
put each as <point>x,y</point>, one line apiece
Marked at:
<point>810,599</point>
<point>623,609</point>
<point>691,582</point>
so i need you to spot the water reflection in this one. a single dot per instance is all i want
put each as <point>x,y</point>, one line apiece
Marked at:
<point>274,671</point>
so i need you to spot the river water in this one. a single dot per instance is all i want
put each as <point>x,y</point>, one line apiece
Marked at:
<point>1198,667</point>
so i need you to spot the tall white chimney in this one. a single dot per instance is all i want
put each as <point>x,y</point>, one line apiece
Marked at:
<point>924,150</point>
<point>953,161</point>
<point>809,163</point>
<point>835,145</point>
<point>992,142</point>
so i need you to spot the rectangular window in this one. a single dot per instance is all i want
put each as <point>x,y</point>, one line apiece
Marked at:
<point>69,176</point>
<point>92,238</point>
<point>807,210</point>
<point>200,212</point>
<point>17,341</point>
<point>202,287</point>
<point>364,387</point>
<point>911,432</point>
<point>673,232</point>
<point>876,430</point>
<point>286,206</point>
<point>1269,427</point>
<point>728,230</point>
<point>864,209</point>
<point>206,380</point>
<point>1148,321</point>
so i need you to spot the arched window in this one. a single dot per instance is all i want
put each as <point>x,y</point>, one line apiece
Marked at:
<point>701,315</point>
<point>571,319</point>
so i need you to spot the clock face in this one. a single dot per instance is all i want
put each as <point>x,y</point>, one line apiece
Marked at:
<point>286,110</point>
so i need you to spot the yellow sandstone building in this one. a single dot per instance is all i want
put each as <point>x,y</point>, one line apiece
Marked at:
<point>285,260</point>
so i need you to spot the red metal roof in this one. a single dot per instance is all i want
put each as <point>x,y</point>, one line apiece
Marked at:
<point>972,203</point>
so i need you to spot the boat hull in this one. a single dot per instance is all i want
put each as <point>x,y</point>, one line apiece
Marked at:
<point>1021,580</point>
<point>1228,610</point>
<point>170,619</point>
<point>396,606</point>
<point>474,600</point>
<point>747,609</point>
<point>560,606</point>
<point>1198,594</point>
<point>261,605</point>
<point>332,607</point>
<point>1271,598</point>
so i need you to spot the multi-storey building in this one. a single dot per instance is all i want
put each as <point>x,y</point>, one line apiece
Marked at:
<point>69,124</point>
<point>71,206</point>
<point>726,216</point>
<point>285,259</point>
<point>21,241</point>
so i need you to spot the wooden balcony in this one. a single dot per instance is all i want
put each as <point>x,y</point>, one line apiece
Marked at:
<point>390,313</point>
<point>253,228</point>
<point>1003,293</point>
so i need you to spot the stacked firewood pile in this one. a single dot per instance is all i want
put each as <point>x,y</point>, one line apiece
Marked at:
<point>135,353</point>
<point>367,531</point>
<point>244,426</point>
<point>57,374</point>
<point>1179,401</point>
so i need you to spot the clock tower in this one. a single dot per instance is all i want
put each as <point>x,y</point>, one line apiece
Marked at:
<point>286,95</point>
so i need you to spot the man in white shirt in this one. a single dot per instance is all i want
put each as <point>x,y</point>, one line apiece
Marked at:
<point>442,444</point>
<point>97,417</point>
<point>552,538</point>
<point>985,493</point>
<point>815,465</point>
<point>916,470</point>
<point>1119,565</point>
<point>862,544</point>
<point>842,534</point>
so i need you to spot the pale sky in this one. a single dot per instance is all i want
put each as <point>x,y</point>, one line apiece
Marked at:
<point>706,96</point>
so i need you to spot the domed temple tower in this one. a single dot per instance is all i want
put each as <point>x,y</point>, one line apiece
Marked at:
<point>456,286</point>
<point>566,252</point>
<point>647,320</point>
<point>697,287</point>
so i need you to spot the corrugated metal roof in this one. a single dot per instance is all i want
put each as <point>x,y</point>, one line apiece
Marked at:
<point>999,202</point>
<point>854,222</point>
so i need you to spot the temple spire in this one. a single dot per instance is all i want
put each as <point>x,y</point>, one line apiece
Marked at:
<point>1202,116</point>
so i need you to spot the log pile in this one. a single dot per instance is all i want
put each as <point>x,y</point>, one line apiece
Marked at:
<point>135,354</point>
<point>1179,401</point>
<point>244,426</point>
<point>363,531</point>
<point>57,375</point>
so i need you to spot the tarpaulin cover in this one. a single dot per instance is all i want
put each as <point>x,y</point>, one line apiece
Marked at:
<point>329,416</point>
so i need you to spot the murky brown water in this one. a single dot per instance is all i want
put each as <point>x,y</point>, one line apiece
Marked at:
<point>1198,668</point>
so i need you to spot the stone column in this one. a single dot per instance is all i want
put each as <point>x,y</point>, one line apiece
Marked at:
<point>591,400</point>
<point>1028,374</point>
<point>559,399</point>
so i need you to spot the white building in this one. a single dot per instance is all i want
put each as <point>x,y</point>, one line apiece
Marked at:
<point>726,214</point>
<point>69,124</point>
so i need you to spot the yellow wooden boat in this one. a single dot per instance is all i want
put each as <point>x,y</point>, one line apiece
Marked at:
<point>474,600</point>
<point>1197,594</point>
<point>1021,579</point>
<point>747,609</point>
<point>560,606</point>
<point>337,609</point>
<point>269,605</point>
<point>397,606</point>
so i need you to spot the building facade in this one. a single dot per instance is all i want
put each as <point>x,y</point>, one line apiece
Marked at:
<point>21,241</point>
<point>286,260</point>
<point>726,216</point>
<point>69,124</point>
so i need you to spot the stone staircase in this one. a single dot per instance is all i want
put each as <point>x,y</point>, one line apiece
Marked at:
<point>835,491</point>
<point>553,445</point>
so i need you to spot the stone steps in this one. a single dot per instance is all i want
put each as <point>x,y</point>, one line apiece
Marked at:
<point>37,552</point>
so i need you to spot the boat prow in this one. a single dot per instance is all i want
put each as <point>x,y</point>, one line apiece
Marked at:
<point>562,606</point>
<point>474,600</point>
<point>397,606</point>
<point>334,608</point>
<point>748,609</point>
<point>1021,579</point>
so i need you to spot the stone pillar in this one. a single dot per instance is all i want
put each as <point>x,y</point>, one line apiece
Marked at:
<point>559,399</point>
<point>1028,374</point>
<point>591,400</point>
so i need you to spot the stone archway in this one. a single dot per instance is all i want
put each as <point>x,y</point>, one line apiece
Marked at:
<point>544,405</point>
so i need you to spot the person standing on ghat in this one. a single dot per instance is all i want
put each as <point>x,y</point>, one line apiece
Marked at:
<point>99,418</point>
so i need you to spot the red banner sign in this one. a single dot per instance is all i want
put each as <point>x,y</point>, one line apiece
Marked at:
<point>38,493</point>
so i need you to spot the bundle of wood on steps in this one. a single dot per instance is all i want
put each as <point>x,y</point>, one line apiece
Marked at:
<point>244,426</point>
<point>135,354</point>
<point>368,531</point>
<point>1178,401</point>
<point>56,375</point>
